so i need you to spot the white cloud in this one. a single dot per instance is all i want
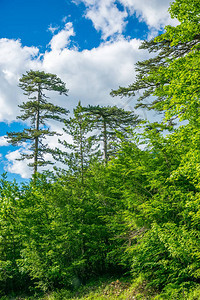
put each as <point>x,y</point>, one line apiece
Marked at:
<point>106,17</point>
<point>53,29</point>
<point>14,60</point>
<point>154,13</point>
<point>3,141</point>
<point>18,166</point>
<point>62,39</point>
<point>110,20</point>
<point>90,75</point>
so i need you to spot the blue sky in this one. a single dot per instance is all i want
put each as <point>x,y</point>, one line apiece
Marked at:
<point>92,45</point>
<point>30,20</point>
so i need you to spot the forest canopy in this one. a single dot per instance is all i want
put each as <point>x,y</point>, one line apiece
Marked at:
<point>126,200</point>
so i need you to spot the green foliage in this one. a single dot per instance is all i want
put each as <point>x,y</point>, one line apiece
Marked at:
<point>65,236</point>
<point>83,151</point>
<point>10,238</point>
<point>136,213</point>
<point>38,111</point>
<point>173,74</point>
<point>160,206</point>
<point>165,246</point>
<point>108,121</point>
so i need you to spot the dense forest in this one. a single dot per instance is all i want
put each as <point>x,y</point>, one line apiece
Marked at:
<point>124,197</point>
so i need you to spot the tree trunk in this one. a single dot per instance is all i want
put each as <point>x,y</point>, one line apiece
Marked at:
<point>105,142</point>
<point>36,130</point>
<point>81,152</point>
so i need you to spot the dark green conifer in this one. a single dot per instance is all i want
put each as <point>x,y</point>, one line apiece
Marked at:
<point>108,120</point>
<point>38,110</point>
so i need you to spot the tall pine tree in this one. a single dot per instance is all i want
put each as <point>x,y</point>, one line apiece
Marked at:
<point>82,151</point>
<point>108,120</point>
<point>38,111</point>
